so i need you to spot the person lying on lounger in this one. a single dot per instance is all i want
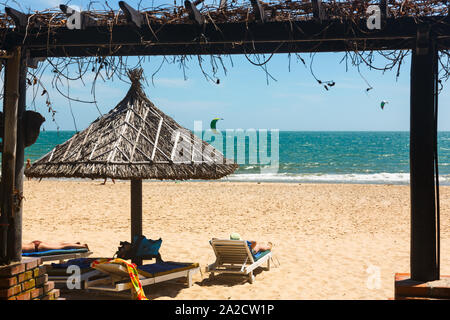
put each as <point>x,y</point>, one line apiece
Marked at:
<point>36,246</point>
<point>255,245</point>
<point>258,246</point>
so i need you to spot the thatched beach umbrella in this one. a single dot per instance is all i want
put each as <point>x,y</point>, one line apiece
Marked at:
<point>134,141</point>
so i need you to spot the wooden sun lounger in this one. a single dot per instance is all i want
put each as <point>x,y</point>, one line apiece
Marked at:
<point>234,256</point>
<point>118,279</point>
<point>60,275</point>
<point>65,256</point>
<point>61,280</point>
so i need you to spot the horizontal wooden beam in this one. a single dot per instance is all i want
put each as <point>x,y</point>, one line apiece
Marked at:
<point>224,48</point>
<point>225,38</point>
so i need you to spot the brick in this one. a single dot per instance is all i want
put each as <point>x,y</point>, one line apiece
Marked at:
<point>8,282</point>
<point>39,271</point>
<point>6,293</point>
<point>49,286</point>
<point>27,275</point>
<point>52,295</point>
<point>31,264</point>
<point>405,288</point>
<point>11,270</point>
<point>27,285</point>
<point>41,280</point>
<point>36,293</point>
<point>24,296</point>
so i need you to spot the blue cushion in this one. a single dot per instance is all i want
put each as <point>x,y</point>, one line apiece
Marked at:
<point>148,247</point>
<point>83,263</point>
<point>260,254</point>
<point>161,267</point>
<point>52,252</point>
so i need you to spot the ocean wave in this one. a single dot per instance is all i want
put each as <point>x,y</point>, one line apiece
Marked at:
<point>374,178</point>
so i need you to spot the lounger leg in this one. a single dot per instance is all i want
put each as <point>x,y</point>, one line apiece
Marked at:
<point>251,277</point>
<point>189,279</point>
<point>268,264</point>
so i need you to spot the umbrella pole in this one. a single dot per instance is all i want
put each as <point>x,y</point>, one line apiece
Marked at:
<point>136,212</point>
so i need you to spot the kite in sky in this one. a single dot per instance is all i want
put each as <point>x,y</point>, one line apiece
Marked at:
<point>213,125</point>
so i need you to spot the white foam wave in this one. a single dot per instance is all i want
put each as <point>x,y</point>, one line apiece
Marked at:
<point>375,178</point>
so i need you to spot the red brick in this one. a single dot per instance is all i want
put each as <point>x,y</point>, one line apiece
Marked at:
<point>8,282</point>
<point>24,296</point>
<point>27,275</point>
<point>39,271</point>
<point>52,295</point>
<point>40,281</point>
<point>27,285</point>
<point>31,263</point>
<point>36,292</point>
<point>405,288</point>
<point>11,270</point>
<point>6,293</point>
<point>49,286</point>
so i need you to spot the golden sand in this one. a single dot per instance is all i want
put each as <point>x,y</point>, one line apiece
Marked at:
<point>331,241</point>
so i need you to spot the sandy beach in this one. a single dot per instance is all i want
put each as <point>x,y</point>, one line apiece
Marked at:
<point>330,240</point>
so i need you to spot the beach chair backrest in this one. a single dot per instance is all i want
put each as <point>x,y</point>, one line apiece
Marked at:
<point>232,251</point>
<point>115,271</point>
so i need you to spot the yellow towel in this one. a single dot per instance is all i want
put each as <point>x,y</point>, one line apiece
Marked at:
<point>132,271</point>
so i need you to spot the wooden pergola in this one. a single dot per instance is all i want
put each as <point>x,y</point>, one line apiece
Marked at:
<point>424,36</point>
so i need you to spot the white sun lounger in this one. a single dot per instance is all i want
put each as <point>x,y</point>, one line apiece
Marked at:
<point>118,279</point>
<point>234,256</point>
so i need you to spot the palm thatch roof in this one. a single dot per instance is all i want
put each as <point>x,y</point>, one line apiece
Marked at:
<point>135,140</point>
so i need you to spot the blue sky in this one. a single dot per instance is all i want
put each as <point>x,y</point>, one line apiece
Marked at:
<point>244,99</point>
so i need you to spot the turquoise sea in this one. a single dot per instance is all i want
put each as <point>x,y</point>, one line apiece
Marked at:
<point>331,157</point>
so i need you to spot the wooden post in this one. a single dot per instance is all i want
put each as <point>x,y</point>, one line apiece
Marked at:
<point>424,254</point>
<point>15,225</point>
<point>136,212</point>
<point>10,109</point>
